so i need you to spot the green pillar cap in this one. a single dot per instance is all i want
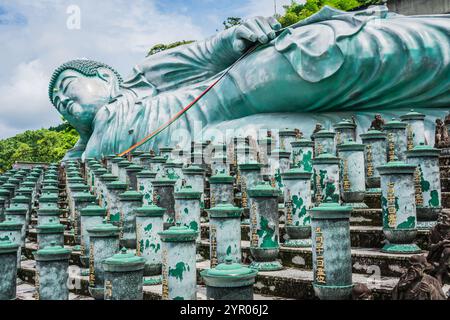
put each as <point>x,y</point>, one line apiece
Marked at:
<point>50,227</point>
<point>373,135</point>
<point>395,124</point>
<point>124,164</point>
<point>173,164</point>
<point>221,178</point>
<point>131,195</point>
<point>187,192</point>
<point>93,210</point>
<point>27,190</point>
<point>280,153</point>
<point>49,211</point>
<point>251,165</point>
<point>134,168</point>
<point>16,210</point>
<point>288,132</point>
<point>100,171</point>
<point>263,189</point>
<point>71,180</point>
<point>49,189</point>
<point>225,210</point>
<point>178,233</point>
<point>158,159</point>
<point>77,187</point>
<point>326,158</point>
<point>324,134</point>
<point>423,150</point>
<point>117,159</point>
<point>95,165</point>
<point>123,262</point>
<point>110,156</point>
<point>330,210</point>
<point>302,143</point>
<point>83,196</point>
<point>228,275</point>
<point>350,145</point>
<point>52,252</point>
<point>8,247</point>
<point>219,159</point>
<point>193,170</point>
<point>108,177</point>
<point>396,167</point>
<point>344,124</point>
<point>136,153</point>
<point>150,211</point>
<point>10,224</point>
<point>21,199</point>
<point>49,181</point>
<point>296,173</point>
<point>145,156</point>
<point>164,181</point>
<point>8,186</point>
<point>165,149</point>
<point>49,197</point>
<point>412,115</point>
<point>4,192</point>
<point>29,184</point>
<point>147,174</point>
<point>104,229</point>
<point>117,185</point>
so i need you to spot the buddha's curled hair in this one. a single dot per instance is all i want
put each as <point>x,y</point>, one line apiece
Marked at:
<point>86,67</point>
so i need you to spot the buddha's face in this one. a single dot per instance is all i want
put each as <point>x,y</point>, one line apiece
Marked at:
<point>78,97</point>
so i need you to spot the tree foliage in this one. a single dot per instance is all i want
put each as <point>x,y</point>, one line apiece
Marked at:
<point>296,11</point>
<point>44,145</point>
<point>231,22</point>
<point>162,47</point>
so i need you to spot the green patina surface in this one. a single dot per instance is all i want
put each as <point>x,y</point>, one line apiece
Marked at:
<point>434,199</point>
<point>229,250</point>
<point>306,162</point>
<point>300,209</point>
<point>148,227</point>
<point>410,223</point>
<point>155,247</point>
<point>278,178</point>
<point>180,268</point>
<point>424,184</point>
<point>193,225</point>
<point>115,217</point>
<point>267,234</point>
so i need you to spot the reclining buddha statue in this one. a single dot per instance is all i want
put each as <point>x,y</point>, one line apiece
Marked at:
<point>331,65</point>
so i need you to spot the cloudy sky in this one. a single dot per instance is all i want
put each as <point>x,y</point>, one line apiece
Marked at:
<point>39,35</point>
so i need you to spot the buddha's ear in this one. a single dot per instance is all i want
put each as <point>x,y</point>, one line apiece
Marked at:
<point>107,75</point>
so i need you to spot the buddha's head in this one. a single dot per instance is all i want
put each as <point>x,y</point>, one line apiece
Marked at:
<point>79,88</point>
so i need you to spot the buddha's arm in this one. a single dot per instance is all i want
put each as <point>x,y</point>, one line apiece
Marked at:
<point>201,60</point>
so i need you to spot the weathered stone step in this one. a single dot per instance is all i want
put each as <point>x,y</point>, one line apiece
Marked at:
<point>446,200</point>
<point>445,184</point>
<point>78,285</point>
<point>26,291</point>
<point>365,261</point>
<point>445,171</point>
<point>360,236</point>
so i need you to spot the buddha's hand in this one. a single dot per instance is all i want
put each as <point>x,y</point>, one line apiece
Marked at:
<point>254,30</point>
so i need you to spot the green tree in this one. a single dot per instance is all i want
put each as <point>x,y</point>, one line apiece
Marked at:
<point>231,22</point>
<point>162,47</point>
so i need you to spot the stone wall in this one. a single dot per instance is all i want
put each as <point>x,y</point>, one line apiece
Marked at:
<point>417,7</point>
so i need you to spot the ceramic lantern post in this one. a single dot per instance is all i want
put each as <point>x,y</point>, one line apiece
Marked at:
<point>145,185</point>
<point>250,175</point>
<point>396,143</point>
<point>374,156</point>
<point>399,207</point>
<point>163,196</point>
<point>52,263</point>
<point>174,170</point>
<point>90,216</point>
<point>103,243</point>
<point>222,189</point>
<point>427,183</point>
<point>129,202</point>
<point>50,232</point>
<point>345,130</point>
<point>149,221</point>
<point>279,163</point>
<point>19,214</point>
<point>302,154</point>
<point>229,281</point>
<point>324,142</point>
<point>352,173</point>
<point>8,270</point>
<point>123,276</point>
<point>179,274</point>
<point>264,227</point>
<point>11,230</point>
<point>132,172</point>
<point>332,259</point>
<point>224,233</point>
<point>326,178</point>
<point>114,190</point>
<point>415,130</point>
<point>47,214</point>
<point>286,137</point>
<point>297,202</point>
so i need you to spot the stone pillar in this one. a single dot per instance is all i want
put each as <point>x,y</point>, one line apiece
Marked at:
<point>396,140</point>
<point>345,130</point>
<point>114,190</point>
<point>264,227</point>
<point>179,272</point>
<point>103,190</point>
<point>279,163</point>
<point>174,170</point>
<point>286,137</point>
<point>332,259</point>
<point>166,152</point>
<point>81,200</point>
<point>249,176</point>
<point>229,281</point>
<point>187,208</point>
<point>352,174</point>
<point>145,185</point>
<point>194,176</point>
<point>52,263</point>
<point>326,178</point>
<point>132,171</point>
<point>224,234</point>
<point>50,232</point>
<point>115,165</point>
<point>149,222</point>
<point>324,142</point>
<point>129,202</point>
<point>374,155</point>
<point>11,230</point>
<point>398,207</point>
<point>97,184</point>
<point>222,189</point>
<point>91,216</point>
<point>265,147</point>
<point>157,165</point>
<point>297,202</point>
<point>8,270</point>
<point>144,160</point>
<point>19,214</point>
<point>302,154</point>
<point>47,214</point>
<point>415,130</point>
<point>427,183</point>
<point>122,170</point>
<point>123,276</point>
<point>103,243</point>
<point>163,196</point>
